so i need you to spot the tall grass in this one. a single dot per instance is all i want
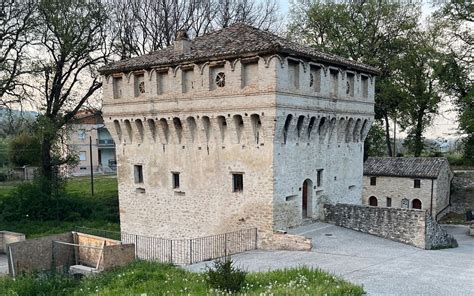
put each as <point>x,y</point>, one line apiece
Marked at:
<point>164,279</point>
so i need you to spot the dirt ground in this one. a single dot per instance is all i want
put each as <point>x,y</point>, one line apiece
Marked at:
<point>462,197</point>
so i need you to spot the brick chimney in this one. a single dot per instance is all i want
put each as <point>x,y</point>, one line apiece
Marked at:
<point>182,43</point>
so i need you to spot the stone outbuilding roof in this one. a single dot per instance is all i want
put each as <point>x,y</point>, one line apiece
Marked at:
<point>239,40</point>
<point>414,167</point>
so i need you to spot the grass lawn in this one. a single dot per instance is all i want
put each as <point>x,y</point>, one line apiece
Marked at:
<point>159,279</point>
<point>104,201</point>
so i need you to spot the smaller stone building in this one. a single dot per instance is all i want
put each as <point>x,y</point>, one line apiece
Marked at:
<point>408,182</point>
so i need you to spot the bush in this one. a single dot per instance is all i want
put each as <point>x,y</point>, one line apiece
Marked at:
<point>28,201</point>
<point>225,276</point>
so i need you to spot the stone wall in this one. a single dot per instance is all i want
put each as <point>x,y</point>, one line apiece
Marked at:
<point>117,255</point>
<point>413,227</point>
<point>7,237</point>
<point>36,254</point>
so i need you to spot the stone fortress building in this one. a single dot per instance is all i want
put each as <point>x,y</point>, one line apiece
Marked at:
<point>235,129</point>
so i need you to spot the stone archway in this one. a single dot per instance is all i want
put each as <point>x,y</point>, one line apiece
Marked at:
<point>306,199</point>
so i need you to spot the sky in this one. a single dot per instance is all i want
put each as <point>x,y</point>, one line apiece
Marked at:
<point>444,124</point>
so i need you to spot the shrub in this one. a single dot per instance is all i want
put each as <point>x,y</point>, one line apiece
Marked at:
<point>225,276</point>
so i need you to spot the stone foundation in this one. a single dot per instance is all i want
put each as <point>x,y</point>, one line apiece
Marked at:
<point>413,227</point>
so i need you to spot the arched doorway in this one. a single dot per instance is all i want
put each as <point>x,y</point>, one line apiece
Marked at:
<point>307,198</point>
<point>373,201</point>
<point>416,204</point>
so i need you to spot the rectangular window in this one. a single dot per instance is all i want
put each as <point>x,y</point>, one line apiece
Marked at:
<point>238,182</point>
<point>417,183</point>
<point>294,73</point>
<point>350,85</point>
<point>373,181</point>
<point>175,177</point>
<point>187,80</point>
<point>249,74</point>
<point>162,82</point>
<point>365,86</point>
<point>82,134</point>
<point>138,173</point>
<point>319,178</point>
<point>315,78</point>
<point>82,156</point>
<point>117,87</point>
<point>389,202</point>
<point>334,82</point>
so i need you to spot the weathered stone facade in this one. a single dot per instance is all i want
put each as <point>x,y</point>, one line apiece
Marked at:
<point>272,120</point>
<point>410,226</point>
<point>403,190</point>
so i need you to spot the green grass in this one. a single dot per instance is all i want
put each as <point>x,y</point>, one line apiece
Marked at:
<point>105,204</point>
<point>161,279</point>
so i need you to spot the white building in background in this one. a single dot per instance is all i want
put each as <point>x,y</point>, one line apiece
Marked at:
<point>235,129</point>
<point>89,129</point>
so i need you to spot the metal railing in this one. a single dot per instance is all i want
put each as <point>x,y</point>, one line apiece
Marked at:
<point>184,251</point>
<point>105,142</point>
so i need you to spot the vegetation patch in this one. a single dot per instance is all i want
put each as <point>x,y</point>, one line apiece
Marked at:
<point>153,278</point>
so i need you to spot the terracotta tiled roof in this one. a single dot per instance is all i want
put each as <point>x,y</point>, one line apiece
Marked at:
<point>232,42</point>
<point>415,167</point>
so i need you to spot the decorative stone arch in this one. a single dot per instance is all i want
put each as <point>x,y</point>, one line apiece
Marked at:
<point>365,129</point>
<point>192,127</point>
<point>140,129</point>
<point>357,129</point>
<point>286,127</point>
<point>312,127</point>
<point>202,67</point>
<point>349,130</point>
<point>165,131</point>
<point>269,59</point>
<point>331,128</point>
<point>151,129</point>
<point>206,127</point>
<point>373,202</point>
<point>239,127</point>
<point>129,75</point>
<point>323,126</point>
<point>233,63</point>
<point>256,127</point>
<point>299,126</point>
<point>118,130</point>
<point>222,123</point>
<point>178,127</point>
<point>128,128</point>
<point>341,129</point>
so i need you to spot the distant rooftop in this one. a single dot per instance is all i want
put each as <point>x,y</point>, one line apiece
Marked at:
<point>238,40</point>
<point>414,167</point>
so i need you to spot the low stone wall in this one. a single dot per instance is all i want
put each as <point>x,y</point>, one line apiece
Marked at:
<point>117,255</point>
<point>290,242</point>
<point>7,237</point>
<point>413,227</point>
<point>90,256</point>
<point>36,254</point>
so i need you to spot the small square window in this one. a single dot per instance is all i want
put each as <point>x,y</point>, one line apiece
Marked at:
<point>82,156</point>
<point>138,173</point>
<point>175,180</point>
<point>373,181</point>
<point>417,183</point>
<point>237,182</point>
<point>319,178</point>
<point>389,202</point>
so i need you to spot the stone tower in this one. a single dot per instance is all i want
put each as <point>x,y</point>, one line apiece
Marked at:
<point>238,128</point>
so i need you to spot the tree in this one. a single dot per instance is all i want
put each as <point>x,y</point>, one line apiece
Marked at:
<point>372,32</point>
<point>17,19</point>
<point>374,144</point>
<point>72,42</point>
<point>417,81</point>
<point>143,26</point>
<point>24,149</point>
<point>455,21</point>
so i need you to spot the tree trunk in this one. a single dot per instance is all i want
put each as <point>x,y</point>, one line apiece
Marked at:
<point>46,166</point>
<point>418,141</point>
<point>387,135</point>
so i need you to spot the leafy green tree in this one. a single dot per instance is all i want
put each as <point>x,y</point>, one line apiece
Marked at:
<point>372,32</point>
<point>24,149</point>
<point>374,144</point>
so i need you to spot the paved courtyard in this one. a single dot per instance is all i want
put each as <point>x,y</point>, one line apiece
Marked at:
<point>382,266</point>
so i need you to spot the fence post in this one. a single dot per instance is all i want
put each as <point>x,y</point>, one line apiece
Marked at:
<point>136,246</point>
<point>225,244</point>
<point>256,238</point>
<point>171,250</point>
<point>190,251</point>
